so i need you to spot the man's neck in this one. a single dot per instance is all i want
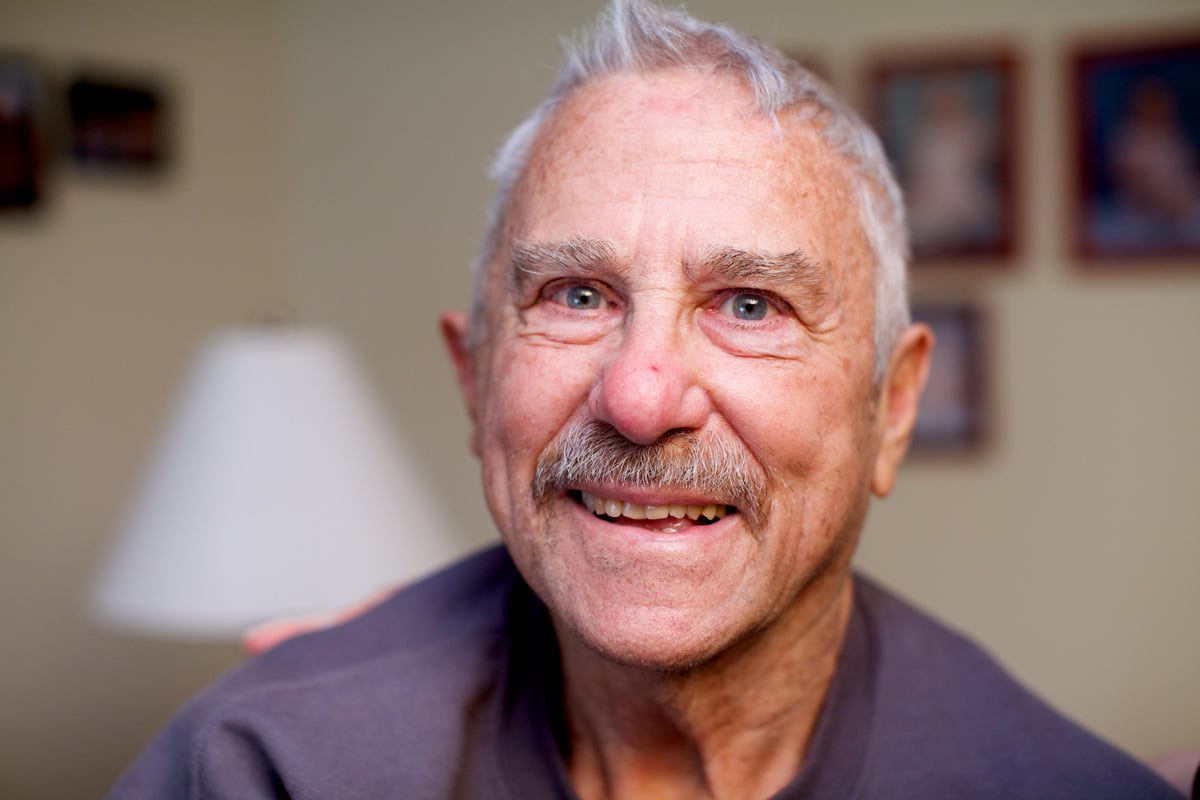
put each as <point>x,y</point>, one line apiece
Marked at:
<point>738,726</point>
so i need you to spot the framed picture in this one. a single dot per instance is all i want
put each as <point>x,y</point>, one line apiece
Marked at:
<point>1136,142</point>
<point>22,134</point>
<point>948,125</point>
<point>953,408</point>
<point>118,124</point>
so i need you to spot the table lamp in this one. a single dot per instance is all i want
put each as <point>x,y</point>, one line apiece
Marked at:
<point>277,489</point>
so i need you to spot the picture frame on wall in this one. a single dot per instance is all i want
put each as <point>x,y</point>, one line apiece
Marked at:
<point>118,124</point>
<point>948,124</point>
<point>22,134</point>
<point>1135,136</point>
<point>953,418</point>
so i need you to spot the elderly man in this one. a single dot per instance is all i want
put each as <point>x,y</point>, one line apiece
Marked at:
<point>688,366</point>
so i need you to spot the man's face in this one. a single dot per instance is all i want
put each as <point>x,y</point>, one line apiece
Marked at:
<point>675,263</point>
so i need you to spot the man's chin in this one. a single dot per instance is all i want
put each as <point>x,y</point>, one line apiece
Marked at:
<point>657,640</point>
<point>640,595</point>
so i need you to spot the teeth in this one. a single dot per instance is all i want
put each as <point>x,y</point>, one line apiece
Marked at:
<point>608,507</point>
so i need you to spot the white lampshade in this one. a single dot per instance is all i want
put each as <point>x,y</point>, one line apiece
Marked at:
<point>277,489</point>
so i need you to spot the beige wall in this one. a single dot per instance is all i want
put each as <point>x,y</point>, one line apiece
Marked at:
<point>102,298</point>
<point>335,160</point>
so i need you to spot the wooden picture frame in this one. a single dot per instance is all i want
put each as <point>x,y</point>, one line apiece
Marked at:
<point>23,134</point>
<point>948,123</point>
<point>954,410</point>
<point>1135,148</point>
<point>118,124</point>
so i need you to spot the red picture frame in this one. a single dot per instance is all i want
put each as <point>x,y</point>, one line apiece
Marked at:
<point>948,121</point>
<point>1134,141</point>
<point>954,417</point>
<point>23,134</point>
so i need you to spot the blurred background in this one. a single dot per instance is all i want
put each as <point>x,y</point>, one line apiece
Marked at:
<point>330,160</point>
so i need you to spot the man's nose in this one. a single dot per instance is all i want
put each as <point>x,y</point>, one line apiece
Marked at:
<point>648,384</point>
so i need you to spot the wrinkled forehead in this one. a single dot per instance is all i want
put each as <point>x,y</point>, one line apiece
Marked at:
<point>673,116</point>
<point>666,106</point>
<point>683,143</point>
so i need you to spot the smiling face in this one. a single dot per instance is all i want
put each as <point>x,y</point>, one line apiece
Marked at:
<point>674,403</point>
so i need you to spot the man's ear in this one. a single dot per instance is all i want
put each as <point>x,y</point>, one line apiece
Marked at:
<point>454,325</point>
<point>899,398</point>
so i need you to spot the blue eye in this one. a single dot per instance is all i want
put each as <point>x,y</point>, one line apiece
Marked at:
<point>582,298</point>
<point>746,306</point>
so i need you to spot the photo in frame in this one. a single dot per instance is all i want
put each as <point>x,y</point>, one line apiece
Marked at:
<point>948,126</point>
<point>117,124</point>
<point>953,415</point>
<point>22,134</point>
<point>1136,141</point>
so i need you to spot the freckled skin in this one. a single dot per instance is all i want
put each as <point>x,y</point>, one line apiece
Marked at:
<point>663,167</point>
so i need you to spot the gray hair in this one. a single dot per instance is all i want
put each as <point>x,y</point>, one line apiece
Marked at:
<point>714,464</point>
<point>639,37</point>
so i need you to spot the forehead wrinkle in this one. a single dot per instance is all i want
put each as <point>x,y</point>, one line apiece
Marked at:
<point>578,255</point>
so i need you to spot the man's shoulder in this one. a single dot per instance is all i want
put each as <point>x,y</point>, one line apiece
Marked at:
<point>324,707</point>
<point>946,711</point>
<point>464,600</point>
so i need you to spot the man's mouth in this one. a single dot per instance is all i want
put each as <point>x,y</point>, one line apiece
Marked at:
<point>612,510</point>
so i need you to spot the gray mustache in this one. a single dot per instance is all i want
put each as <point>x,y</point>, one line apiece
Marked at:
<point>684,461</point>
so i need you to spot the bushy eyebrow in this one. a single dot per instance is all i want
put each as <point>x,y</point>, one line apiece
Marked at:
<point>733,266</point>
<point>534,262</point>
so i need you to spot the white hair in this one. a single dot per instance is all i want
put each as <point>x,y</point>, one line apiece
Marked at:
<point>639,37</point>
